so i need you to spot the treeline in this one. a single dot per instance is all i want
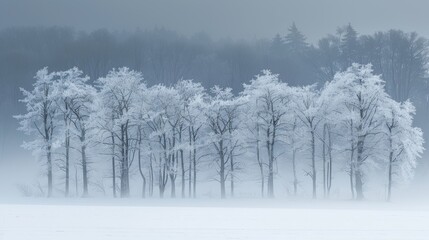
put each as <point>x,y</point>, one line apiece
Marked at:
<point>164,133</point>
<point>166,57</point>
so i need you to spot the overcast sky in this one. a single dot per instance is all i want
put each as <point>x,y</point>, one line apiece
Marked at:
<point>221,18</point>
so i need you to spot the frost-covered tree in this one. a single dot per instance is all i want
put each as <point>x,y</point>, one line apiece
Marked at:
<point>307,109</point>
<point>192,95</point>
<point>254,137</point>
<point>269,100</point>
<point>338,118</point>
<point>103,119</point>
<point>40,120</point>
<point>168,129</point>
<point>81,97</point>
<point>139,120</point>
<point>172,107</point>
<point>164,120</point>
<point>404,142</point>
<point>222,113</point>
<point>119,92</point>
<point>74,99</point>
<point>359,94</point>
<point>335,123</point>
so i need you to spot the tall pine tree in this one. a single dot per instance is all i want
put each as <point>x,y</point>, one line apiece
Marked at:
<point>349,46</point>
<point>295,41</point>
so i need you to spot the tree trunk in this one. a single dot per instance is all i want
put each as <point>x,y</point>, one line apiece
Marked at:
<point>66,118</point>
<point>182,163</point>
<point>150,176</point>
<point>222,170</point>
<point>161,185</point>
<point>140,166</point>
<point>270,189</point>
<point>232,174</point>
<point>84,163</point>
<point>113,166</point>
<point>84,171</point>
<point>270,173</point>
<point>163,175</point>
<point>142,175</point>
<point>359,185</point>
<point>329,180</point>
<point>190,165</point>
<point>358,173</point>
<point>163,178</point>
<point>313,164</point>
<point>194,161</point>
<point>172,174</point>
<point>125,187</point>
<point>389,186</point>
<point>76,181</point>
<point>295,178</point>
<point>172,166</point>
<point>258,159</point>
<point>324,160</point>
<point>352,162</point>
<point>126,164</point>
<point>173,185</point>
<point>272,161</point>
<point>123,168</point>
<point>352,189</point>
<point>49,159</point>
<point>67,167</point>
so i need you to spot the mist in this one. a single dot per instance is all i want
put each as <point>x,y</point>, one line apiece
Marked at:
<point>220,19</point>
<point>276,110</point>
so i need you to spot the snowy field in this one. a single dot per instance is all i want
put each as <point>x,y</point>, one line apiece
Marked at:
<point>88,219</point>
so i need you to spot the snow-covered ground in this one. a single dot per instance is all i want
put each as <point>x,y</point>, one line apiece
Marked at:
<point>91,219</point>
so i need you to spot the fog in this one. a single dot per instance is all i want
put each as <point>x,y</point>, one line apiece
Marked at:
<point>246,19</point>
<point>214,119</point>
<point>220,42</point>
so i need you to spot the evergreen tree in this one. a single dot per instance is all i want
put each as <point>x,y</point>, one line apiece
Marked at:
<point>295,41</point>
<point>349,45</point>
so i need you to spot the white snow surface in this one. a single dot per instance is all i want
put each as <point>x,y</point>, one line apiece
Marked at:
<point>92,219</point>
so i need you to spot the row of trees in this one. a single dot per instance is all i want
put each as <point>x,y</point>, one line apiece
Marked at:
<point>165,56</point>
<point>163,133</point>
